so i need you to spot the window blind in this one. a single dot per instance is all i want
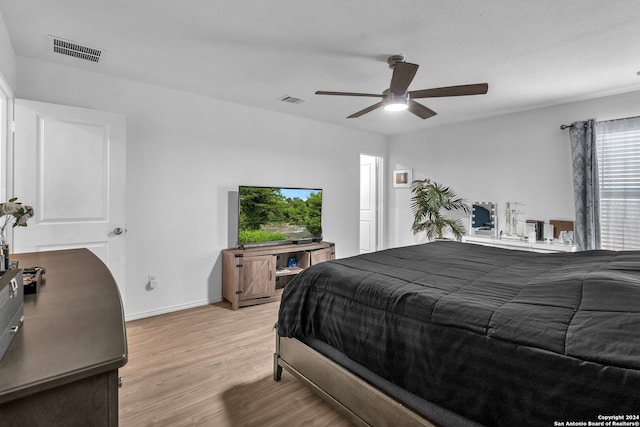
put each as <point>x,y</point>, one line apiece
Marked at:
<point>618,150</point>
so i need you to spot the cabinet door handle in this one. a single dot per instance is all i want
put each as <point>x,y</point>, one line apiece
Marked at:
<point>270,275</point>
<point>14,288</point>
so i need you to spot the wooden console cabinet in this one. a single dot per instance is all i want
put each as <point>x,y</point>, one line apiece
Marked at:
<point>258,275</point>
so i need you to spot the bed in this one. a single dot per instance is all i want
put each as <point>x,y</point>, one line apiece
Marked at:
<point>455,334</point>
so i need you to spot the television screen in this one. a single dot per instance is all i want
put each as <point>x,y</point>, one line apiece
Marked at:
<point>271,215</point>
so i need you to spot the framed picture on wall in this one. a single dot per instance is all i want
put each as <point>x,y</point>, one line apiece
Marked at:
<point>402,178</point>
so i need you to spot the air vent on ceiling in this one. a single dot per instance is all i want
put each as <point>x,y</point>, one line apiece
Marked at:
<point>66,47</point>
<point>291,99</point>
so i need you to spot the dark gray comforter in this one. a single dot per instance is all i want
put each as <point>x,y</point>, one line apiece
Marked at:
<point>501,337</point>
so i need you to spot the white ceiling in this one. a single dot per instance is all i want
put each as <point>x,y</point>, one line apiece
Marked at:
<point>532,53</point>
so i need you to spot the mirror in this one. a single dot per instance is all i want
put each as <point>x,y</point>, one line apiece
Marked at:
<point>483,218</point>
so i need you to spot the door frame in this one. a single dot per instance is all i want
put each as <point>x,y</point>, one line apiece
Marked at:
<point>6,144</point>
<point>380,194</point>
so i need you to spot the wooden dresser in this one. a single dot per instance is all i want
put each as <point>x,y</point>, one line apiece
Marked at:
<point>522,245</point>
<point>62,367</point>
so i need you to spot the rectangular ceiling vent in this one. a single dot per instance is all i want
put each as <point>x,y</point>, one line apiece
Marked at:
<point>66,47</point>
<point>291,99</point>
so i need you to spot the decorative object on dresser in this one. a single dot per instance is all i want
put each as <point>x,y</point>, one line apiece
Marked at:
<point>534,230</point>
<point>433,206</point>
<point>548,233</point>
<point>15,214</point>
<point>32,279</point>
<point>259,274</point>
<point>511,215</point>
<point>484,219</point>
<point>559,226</point>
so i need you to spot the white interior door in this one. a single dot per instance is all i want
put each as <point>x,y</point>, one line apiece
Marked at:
<point>69,164</point>
<point>369,204</point>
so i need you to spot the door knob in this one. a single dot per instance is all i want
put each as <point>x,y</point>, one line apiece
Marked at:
<point>117,231</point>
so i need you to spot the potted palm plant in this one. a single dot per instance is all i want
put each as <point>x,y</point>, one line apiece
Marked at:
<point>432,204</point>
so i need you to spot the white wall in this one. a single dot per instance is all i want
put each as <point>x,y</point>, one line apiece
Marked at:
<point>520,157</point>
<point>7,56</point>
<point>185,153</point>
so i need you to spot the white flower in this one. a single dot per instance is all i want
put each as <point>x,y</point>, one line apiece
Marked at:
<point>9,208</point>
<point>15,212</point>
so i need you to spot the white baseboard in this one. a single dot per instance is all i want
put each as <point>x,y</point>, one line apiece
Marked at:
<point>169,309</point>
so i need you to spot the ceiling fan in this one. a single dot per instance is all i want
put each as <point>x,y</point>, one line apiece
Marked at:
<point>397,98</point>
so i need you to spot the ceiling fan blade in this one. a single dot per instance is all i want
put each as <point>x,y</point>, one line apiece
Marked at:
<point>420,110</point>
<point>366,110</point>
<point>324,92</point>
<point>462,90</point>
<point>403,73</point>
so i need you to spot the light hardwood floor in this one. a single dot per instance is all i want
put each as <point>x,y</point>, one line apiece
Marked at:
<point>211,366</point>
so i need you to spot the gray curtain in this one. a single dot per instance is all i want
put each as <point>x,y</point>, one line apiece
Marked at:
<point>585,185</point>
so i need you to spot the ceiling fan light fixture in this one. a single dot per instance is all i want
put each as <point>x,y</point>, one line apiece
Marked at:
<point>398,106</point>
<point>396,103</point>
<point>398,97</point>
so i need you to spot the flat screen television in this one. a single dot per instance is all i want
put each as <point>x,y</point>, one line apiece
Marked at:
<point>278,215</point>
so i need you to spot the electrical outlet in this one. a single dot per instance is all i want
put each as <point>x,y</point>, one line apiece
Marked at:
<point>153,281</point>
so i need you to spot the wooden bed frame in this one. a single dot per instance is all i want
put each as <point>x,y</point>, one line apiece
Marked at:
<point>361,402</point>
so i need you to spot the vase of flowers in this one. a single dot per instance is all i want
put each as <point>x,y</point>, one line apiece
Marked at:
<point>15,214</point>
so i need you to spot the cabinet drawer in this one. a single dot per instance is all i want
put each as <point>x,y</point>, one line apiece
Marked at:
<point>11,307</point>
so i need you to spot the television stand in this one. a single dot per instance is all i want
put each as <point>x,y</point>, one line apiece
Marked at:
<point>256,275</point>
<point>303,241</point>
<point>259,245</point>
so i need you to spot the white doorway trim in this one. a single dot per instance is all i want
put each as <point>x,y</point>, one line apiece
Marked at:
<point>373,239</point>
<point>6,138</point>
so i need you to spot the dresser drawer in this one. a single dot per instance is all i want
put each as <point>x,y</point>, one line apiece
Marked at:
<point>11,307</point>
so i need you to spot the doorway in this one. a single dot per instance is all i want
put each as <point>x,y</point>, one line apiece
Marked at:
<point>6,136</point>
<point>370,203</point>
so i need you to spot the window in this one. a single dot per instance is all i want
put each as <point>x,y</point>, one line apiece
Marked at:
<point>618,148</point>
